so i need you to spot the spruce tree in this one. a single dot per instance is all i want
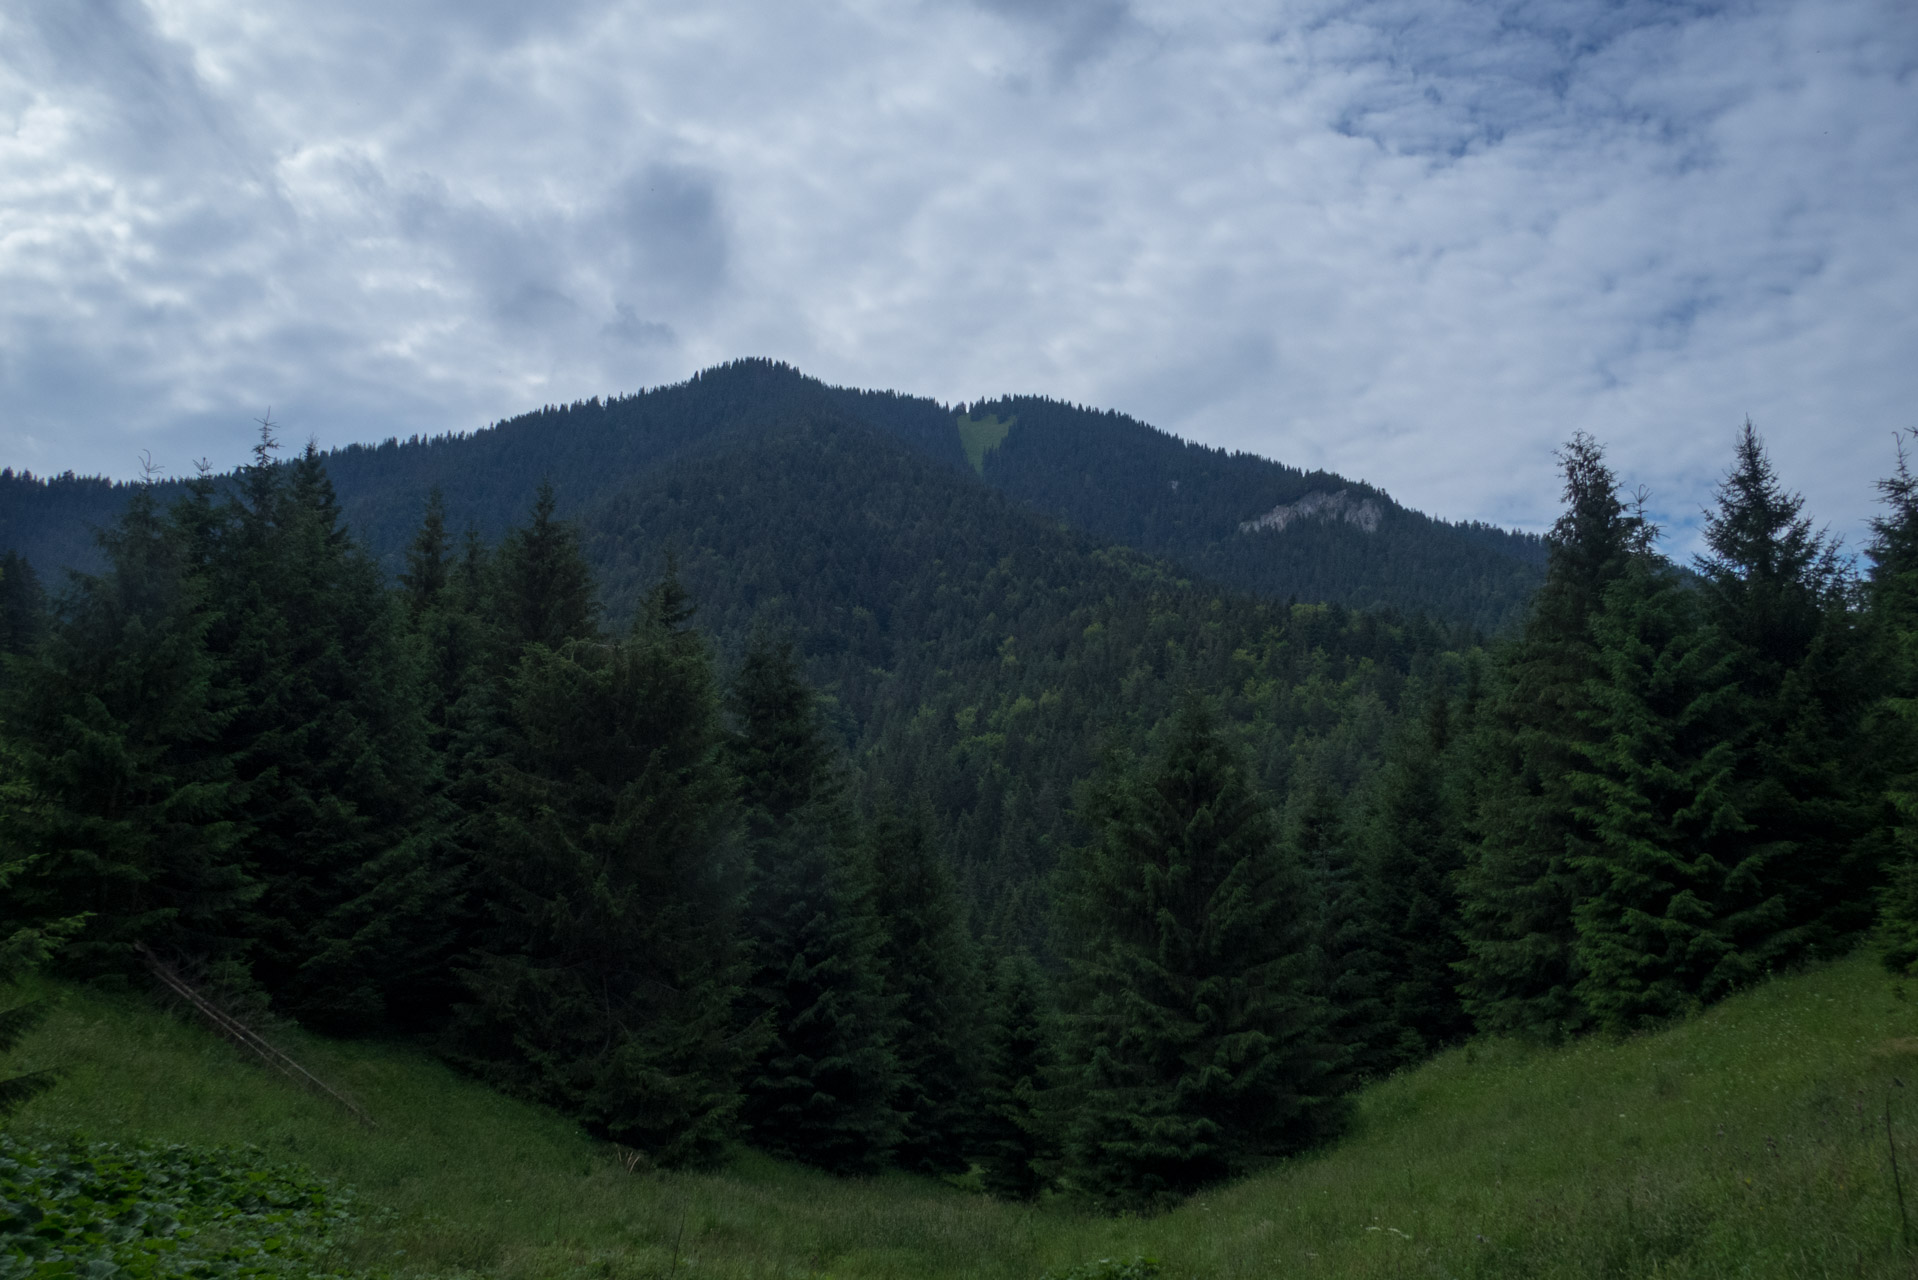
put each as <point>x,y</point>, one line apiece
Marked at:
<point>456,648</point>
<point>825,1083</point>
<point>545,593</point>
<point>1777,594</point>
<point>932,982</point>
<point>1413,852</point>
<point>1016,1134</point>
<point>115,721</point>
<point>1349,964</point>
<point>23,605</point>
<point>1518,887</point>
<point>1652,782</point>
<point>1198,1046</point>
<point>608,973</point>
<point>329,743</point>
<point>26,942</point>
<point>1893,596</point>
<point>428,565</point>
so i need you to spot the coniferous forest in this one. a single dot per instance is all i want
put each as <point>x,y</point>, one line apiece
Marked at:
<point>821,792</point>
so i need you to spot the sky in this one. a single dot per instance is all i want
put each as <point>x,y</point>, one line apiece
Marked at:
<point>1416,242</point>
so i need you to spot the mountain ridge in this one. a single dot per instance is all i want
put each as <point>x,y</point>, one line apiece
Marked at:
<point>1101,471</point>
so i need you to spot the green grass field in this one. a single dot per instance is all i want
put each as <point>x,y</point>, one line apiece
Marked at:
<point>980,436</point>
<point>1748,1142</point>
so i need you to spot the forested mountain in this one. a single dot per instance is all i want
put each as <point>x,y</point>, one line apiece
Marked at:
<point>755,760</point>
<point>968,642</point>
<point>1235,519</point>
<point>1249,522</point>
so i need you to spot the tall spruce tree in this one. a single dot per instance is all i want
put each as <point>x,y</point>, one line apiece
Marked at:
<point>1519,888</point>
<point>26,942</point>
<point>1199,1047</point>
<point>1412,854</point>
<point>428,560</point>
<point>134,819</point>
<point>545,594</point>
<point>824,1088</point>
<point>456,649</point>
<point>1893,596</point>
<point>1349,964</point>
<point>1779,597</point>
<point>608,975</point>
<point>932,982</point>
<point>329,744</point>
<point>1653,784</point>
<point>1016,1135</point>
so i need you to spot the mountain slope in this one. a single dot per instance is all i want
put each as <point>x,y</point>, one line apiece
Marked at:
<point>973,649</point>
<point>1100,472</point>
<point>1254,524</point>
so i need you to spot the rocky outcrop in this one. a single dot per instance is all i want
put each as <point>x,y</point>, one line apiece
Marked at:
<point>1363,512</point>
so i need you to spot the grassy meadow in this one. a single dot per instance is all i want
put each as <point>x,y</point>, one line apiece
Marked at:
<point>1750,1141</point>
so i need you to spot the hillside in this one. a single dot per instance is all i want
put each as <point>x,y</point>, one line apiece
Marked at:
<point>970,646</point>
<point>1251,523</point>
<point>1103,473</point>
<point>1749,1141</point>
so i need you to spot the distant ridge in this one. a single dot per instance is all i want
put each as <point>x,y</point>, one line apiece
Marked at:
<point>1322,537</point>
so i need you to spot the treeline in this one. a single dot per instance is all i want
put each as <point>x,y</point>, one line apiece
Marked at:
<point>600,868</point>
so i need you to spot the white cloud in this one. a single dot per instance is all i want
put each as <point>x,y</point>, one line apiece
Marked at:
<point>1416,241</point>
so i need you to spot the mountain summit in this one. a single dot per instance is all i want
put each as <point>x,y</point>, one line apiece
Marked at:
<point>1236,519</point>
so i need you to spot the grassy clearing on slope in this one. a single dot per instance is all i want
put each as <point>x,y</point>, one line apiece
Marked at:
<point>1749,1141</point>
<point>980,436</point>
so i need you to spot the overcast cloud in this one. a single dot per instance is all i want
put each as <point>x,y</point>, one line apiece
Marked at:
<point>1415,241</point>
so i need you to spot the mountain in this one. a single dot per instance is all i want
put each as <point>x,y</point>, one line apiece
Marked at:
<point>1232,518</point>
<point>972,647</point>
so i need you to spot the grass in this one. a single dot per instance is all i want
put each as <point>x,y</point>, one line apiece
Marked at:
<point>1747,1142</point>
<point>980,436</point>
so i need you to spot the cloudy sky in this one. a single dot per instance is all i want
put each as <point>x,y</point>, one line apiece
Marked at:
<point>1414,241</point>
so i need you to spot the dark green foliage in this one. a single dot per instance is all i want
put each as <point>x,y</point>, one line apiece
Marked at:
<point>1198,1045</point>
<point>902,583</point>
<point>429,566</point>
<point>26,944</point>
<point>1652,783</point>
<point>238,743</point>
<point>824,1088</point>
<point>328,741</point>
<point>1016,1134</point>
<point>154,1212</point>
<point>779,752</point>
<point>457,646</point>
<point>1107,474</point>
<point>851,521</point>
<point>1776,593</point>
<point>1350,972</point>
<point>1412,850</point>
<point>17,1090</point>
<point>1140,1268</point>
<point>1121,479</point>
<point>128,811</point>
<point>1519,887</point>
<point>545,592</point>
<point>932,981</point>
<point>23,605</point>
<point>608,974</point>
<point>1893,592</point>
